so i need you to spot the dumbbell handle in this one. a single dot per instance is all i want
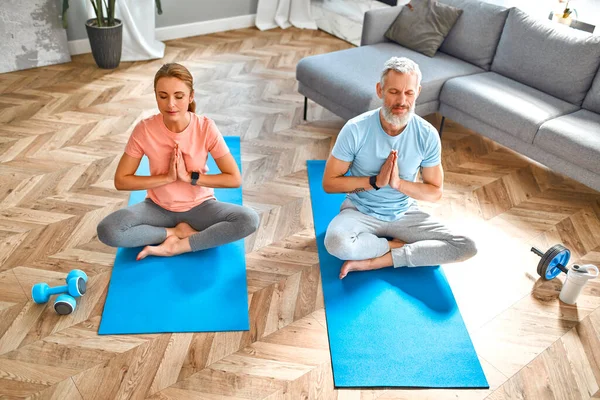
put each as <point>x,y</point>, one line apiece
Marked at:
<point>58,290</point>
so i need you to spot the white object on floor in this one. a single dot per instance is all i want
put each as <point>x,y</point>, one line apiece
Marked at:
<point>575,282</point>
<point>343,18</point>
<point>284,13</point>
<point>138,17</point>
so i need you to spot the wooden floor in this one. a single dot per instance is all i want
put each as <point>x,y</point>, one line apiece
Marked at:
<point>62,131</point>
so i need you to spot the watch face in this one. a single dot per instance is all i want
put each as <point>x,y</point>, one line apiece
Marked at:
<point>195,175</point>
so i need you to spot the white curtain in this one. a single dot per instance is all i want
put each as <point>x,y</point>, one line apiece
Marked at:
<point>138,18</point>
<point>284,13</point>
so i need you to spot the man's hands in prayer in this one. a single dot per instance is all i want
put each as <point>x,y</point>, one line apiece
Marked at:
<point>395,176</point>
<point>383,178</point>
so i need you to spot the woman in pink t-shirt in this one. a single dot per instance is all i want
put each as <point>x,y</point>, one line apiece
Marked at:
<point>180,213</point>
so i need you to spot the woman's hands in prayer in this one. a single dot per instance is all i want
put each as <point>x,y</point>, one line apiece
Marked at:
<point>177,168</point>
<point>182,172</point>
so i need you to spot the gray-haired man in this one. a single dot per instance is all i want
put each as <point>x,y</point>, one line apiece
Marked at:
<point>384,149</point>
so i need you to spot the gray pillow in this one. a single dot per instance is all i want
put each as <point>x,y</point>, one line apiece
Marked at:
<point>550,57</point>
<point>422,25</point>
<point>475,36</point>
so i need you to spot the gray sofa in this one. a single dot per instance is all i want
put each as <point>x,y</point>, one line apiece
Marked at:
<point>533,86</point>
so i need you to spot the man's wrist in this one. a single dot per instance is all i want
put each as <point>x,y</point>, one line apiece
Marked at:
<point>373,182</point>
<point>377,182</point>
<point>398,185</point>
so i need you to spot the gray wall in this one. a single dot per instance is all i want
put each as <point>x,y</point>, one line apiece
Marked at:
<point>76,17</point>
<point>179,12</point>
<point>175,12</point>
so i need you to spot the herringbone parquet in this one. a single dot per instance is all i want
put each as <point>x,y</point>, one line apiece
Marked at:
<point>63,129</point>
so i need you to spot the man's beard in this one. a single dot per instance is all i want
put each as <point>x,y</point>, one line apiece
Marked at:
<point>397,120</point>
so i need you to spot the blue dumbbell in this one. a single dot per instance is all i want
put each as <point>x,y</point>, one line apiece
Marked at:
<point>65,303</point>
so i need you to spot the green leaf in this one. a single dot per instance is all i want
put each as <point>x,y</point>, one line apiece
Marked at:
<point>158,7</point>
<point>65,7</point>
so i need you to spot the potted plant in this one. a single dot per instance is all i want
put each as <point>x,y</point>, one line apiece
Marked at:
<point>564,16</point>
<point>105,32</point>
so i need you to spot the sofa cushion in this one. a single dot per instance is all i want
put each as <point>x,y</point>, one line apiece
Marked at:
<point>503,103</point>
<point>475,35</point>
<point>573,137</point>
<point>592,100</point>
<point>349,76</point>
<point>422,25</point>
<point>553,58</point>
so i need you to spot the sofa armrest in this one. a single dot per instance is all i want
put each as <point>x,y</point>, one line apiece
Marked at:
<point>376,23</point>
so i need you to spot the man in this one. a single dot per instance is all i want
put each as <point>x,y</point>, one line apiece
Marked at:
<point>383,150</point>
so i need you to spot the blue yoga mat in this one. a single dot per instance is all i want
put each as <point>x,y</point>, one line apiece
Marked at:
<point>390,327</point>
<point>203,291</point>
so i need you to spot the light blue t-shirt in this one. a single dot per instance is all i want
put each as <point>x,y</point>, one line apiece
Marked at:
<point>364,143</point>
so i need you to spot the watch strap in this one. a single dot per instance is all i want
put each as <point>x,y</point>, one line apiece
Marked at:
<point>373,182</point>
<point>195,176</point>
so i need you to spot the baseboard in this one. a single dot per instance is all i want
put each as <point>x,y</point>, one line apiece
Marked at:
<point>80,46</point>
<point>181,31</point>
<point>205,27</point>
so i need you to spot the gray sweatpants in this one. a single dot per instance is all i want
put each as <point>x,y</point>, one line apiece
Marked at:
<point>353,235</point>
<point>144,224</point>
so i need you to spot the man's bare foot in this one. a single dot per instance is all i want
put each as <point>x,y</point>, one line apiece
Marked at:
<point>354,265</point>
<point>170,247</point>
<point>396,243</point>
<point>367,265</point>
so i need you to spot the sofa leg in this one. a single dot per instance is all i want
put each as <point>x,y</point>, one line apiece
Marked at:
<point>442,125</point>
<point>305,106</point>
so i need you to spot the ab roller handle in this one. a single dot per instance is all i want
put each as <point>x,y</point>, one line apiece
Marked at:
<point>554,261</point>
<point>65,303</point>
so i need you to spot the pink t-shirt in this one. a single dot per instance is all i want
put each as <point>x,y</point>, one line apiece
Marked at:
<point>152,138</point>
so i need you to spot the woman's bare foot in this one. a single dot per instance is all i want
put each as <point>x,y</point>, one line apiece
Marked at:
<point>170,247</point>
<point>181,230</point>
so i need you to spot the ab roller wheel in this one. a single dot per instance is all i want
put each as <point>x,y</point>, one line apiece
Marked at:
<point>65,303</point>
<point>552,262</point>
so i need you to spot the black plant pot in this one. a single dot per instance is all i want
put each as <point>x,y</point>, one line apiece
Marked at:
<point>106,43</point>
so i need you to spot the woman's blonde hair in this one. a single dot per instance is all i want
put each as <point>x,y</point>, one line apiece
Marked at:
<point>174,70</point>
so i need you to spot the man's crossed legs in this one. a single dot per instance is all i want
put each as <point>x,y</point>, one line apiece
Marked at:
<point>419,240</point>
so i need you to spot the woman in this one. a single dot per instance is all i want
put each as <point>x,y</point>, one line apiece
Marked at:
<point>180,212</point>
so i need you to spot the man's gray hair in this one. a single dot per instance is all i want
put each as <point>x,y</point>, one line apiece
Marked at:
<point>403,65</point>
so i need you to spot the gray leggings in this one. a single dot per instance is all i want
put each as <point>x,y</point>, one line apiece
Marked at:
<point>352,235</point>
<point>144,224</point>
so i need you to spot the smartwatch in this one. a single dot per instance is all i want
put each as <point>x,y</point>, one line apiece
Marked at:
<point>195,176</point>
<point>373,182</point>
